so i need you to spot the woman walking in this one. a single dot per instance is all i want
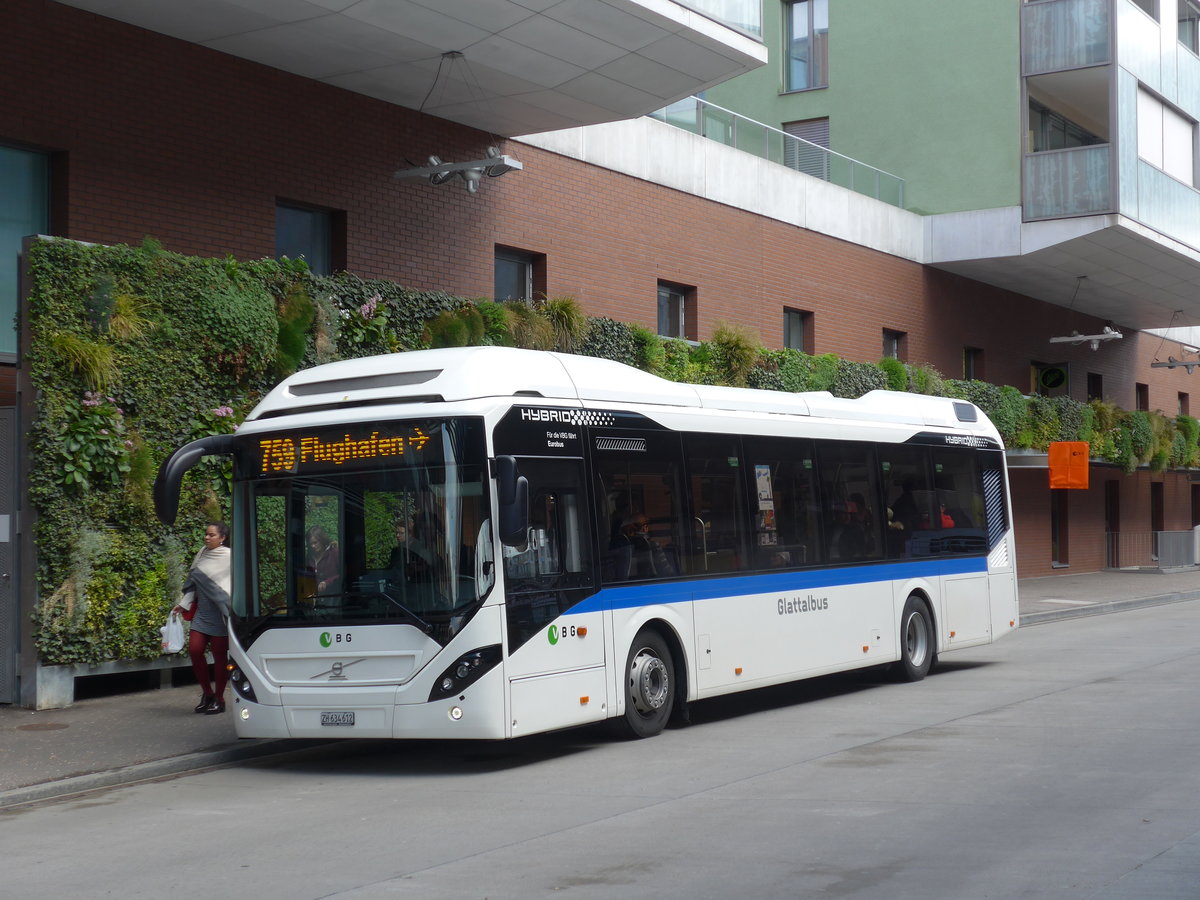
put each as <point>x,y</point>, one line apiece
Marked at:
<point>207,587</point>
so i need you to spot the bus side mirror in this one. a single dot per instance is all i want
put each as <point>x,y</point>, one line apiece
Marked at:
<point>170,474</point>
<point>512,490</point>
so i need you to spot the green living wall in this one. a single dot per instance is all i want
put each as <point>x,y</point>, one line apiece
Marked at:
<point>136,351</point>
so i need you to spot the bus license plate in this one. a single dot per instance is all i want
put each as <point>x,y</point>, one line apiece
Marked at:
<point>337,718</point>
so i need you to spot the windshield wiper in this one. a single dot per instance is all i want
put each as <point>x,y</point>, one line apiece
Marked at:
<point>425,626</point>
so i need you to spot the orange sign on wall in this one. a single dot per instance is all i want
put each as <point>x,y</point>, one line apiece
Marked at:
<point>1069,465</point>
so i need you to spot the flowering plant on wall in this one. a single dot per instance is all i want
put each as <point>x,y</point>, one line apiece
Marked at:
<point>366,325</point>
<point>94,447</point>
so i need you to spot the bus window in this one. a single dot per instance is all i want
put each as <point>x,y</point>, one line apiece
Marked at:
<point>639,509</point>
<point>554,553</point>
<point>959,493</point>
<point>849,499</point>
<point>784,499</point>
<point>270,546</point>
<point>552,570</point>
<point>906,485</point>
<point>322,546</point>
<point>716,492</point>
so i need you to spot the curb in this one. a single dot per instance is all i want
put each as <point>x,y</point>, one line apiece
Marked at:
<point>148,771</point>
<point>1108,606</point>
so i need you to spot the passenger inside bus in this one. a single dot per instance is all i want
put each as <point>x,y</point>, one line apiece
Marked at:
<point>324,561</point>
<point>410,556</point>
<point>636,554</point>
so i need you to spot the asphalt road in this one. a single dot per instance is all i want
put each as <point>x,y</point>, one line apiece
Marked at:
<point>1060,762</point>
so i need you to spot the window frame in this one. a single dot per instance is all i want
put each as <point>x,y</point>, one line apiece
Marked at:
<point>895,344</point>
<point>684,296</point>
<point>330,254</point>
<point>528,261</point>
<point>816,65</point>
<point>798,319</point>
<point>39,171</point>
<point>1193,43</point>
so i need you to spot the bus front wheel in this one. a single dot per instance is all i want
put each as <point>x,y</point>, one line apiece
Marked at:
<point>649,685</point>
<point>916,640</point>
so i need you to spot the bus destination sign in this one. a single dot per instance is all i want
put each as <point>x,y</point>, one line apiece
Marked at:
<point>323,451</point>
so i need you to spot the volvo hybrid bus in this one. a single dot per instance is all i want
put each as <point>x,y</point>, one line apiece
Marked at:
<point>488,543</point>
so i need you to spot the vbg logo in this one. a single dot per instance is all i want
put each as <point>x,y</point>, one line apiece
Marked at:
<point>552,634</point>
<point>329,639</point>
<point>326,640</point>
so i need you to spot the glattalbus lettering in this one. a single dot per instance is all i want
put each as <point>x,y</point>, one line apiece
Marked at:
<point>789,606</point>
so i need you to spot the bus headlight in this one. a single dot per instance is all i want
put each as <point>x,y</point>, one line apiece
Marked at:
<point>465,671</point>
<point>241,683</point>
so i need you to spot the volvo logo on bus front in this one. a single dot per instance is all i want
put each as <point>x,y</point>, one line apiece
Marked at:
<point>337,671</point>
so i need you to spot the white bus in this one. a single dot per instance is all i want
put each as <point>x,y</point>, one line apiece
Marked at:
<point>490,542</point>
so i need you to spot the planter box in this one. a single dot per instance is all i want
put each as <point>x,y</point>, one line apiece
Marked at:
<point>55,688</point>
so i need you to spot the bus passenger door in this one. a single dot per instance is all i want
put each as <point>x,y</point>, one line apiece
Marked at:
<point>962,531</point>
<point>556,655</point>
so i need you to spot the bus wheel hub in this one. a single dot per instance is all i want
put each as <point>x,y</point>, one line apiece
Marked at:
<point>648,681</point>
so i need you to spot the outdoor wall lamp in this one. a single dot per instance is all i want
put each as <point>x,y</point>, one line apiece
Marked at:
<point>1108,334</point>
<point>493,165</point>
<point>1173,363</point>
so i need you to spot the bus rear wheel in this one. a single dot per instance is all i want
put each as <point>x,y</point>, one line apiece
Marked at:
<point>649,685</point>
<point>916,640</point>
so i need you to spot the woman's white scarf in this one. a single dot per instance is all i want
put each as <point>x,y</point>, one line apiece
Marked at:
<point>209,578</point>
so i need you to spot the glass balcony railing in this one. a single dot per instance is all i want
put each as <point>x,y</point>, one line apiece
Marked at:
<point>744,15</point>
<point>1064,34</point>
<point>734,130</point>
<point>1073,182</point>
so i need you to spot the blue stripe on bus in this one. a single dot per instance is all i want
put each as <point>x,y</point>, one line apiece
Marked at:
<point>648,593</point>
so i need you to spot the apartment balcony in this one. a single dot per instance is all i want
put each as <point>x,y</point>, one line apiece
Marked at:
<point>1069,182</point>
<point>734,130</point>
<point>502,66</point>
<point>1065,34</point>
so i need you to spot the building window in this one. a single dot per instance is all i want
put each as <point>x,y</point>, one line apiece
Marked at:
<point>972,364</point>
<point>1149,7</point>
<point>807,45</point>
<point>1049,130</point>
<point>518,275</point>
<point>1141,397</point>
<point>797,330</point>
<point>315,235</point>
<point>24,210</point>
<point>676,311</point>
<point>1183,404</point>
<point>1095,386</point>
<point>1189,24</point>
<point>808,154</point>
<point>1166,138</point>
<point>895,344</point>
<point>1059,544</point>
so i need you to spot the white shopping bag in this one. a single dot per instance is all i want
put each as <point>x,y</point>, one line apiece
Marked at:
<point>172,634</point>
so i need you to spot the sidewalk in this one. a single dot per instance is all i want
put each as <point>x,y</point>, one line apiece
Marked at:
<point>116,740</point>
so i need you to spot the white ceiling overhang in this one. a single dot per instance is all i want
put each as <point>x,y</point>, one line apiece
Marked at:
<point>525,65</point>
<point>1132,276</point>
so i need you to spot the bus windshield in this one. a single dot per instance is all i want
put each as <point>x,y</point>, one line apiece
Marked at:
<point>373,523</point>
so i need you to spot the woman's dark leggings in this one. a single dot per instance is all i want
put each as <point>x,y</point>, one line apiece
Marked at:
<point>197,643</point>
